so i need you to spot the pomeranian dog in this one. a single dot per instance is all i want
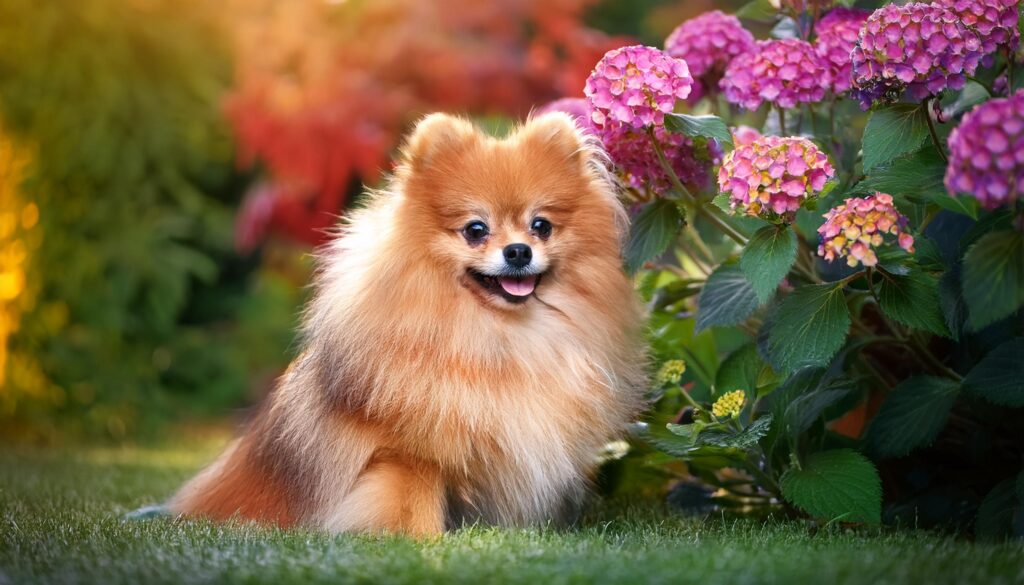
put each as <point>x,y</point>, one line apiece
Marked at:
<point>471,345</point>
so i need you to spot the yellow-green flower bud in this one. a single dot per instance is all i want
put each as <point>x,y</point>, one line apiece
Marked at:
<point>730,404</point>
<point>671,372</point>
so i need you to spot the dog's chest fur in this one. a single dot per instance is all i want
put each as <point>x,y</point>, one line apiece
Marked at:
<point>515,434</point>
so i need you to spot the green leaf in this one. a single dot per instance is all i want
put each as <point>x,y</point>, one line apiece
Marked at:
<point>836,484</point>
<point>688,442</point>
<point>674,338</point>
<point>727,298</point>
<point>653,230</point>
<point>721,201</point>
<point>928,254</point>
<point>767,259</point>
<point>999,376</point>
<point>961,204</point>
<point>743,369</point>
<point>954,310</point>
<point>912,415</point>
<point>759,10</point>
<point>913,300</point>
<point>996,221</point>
<point>912,176</point>
<point>707,126</point>
<point>808,328</point>
<point>893,131</point>
<point>971,95</point>
<point>744,439</point>
<point>993,277</point>
<point>807,408</point>
<point>995,515</point>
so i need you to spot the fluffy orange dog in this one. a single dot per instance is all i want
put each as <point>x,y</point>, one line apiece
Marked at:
<point>472,343</point>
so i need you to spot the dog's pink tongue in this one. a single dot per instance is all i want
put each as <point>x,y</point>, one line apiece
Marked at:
<point>519,287</point>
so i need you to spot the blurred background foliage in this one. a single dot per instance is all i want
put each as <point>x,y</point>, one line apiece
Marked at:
<point>166,166</point>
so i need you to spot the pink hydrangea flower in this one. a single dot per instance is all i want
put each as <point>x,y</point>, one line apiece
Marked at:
<point>854,229</point>
<point>578,108</point>
<point>772,177</point>
<point>633,154</point>
<point>986,152</point>
<point>995,21</point>
<point>708,42</point>
<point>919,48</point>
<point>837,36</point>
<point>636,86</point>
<point>744,135</point>
<point>783,73</point>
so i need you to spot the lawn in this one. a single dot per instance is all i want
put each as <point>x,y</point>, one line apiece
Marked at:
<point>60,522</point>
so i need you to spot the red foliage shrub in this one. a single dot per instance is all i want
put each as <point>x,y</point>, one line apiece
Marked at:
<point>324,90</point>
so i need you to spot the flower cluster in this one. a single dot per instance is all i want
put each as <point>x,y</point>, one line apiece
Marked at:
<point>854,229</point>
<point>708,43</point>
<point>636,86</point>
<point>578,108</point>
<point>632,151</point>
<point>772,176</point>
<point>986,152</point>
<point>730,404</point>
<point>671,372</point>
<point>783,73</point>
<point>920,48</point>
<point>995,21</point>
<point>837,36</point>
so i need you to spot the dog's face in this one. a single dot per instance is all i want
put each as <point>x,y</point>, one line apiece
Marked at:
<point>506,219</point>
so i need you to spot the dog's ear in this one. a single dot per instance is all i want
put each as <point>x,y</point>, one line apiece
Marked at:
<point>556,134</point>
<point>435,135</point>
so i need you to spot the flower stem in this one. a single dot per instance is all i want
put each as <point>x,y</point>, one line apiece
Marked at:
<point>766,482</point>
<point>816,14</point>
<point>919,349</point>
<point>814,123</point>
<point>922,350</point>
<point>927,220</point>
<point>706,253</point>
<point>805,263</point>
<point>870,277</point>
<point>782,121</point>
<point>931,130</point>
<point>702,210</point>
<point>1009,69</point>
<point>832,119</point>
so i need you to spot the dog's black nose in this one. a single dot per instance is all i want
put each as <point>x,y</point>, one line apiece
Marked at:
<point>518,255</point>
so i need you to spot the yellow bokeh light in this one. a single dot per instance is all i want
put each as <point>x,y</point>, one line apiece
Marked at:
<point>16,218</point>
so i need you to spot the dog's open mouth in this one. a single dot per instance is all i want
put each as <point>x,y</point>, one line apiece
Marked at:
<point>514,289</point>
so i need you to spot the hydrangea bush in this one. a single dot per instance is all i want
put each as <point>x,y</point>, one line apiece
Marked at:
<point>839,315</point>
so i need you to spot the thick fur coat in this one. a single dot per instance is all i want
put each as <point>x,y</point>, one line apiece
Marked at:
<point>423,397</point>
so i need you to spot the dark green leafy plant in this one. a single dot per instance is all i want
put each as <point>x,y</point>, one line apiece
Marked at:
<point>136,294</point>
<point>844,329</point>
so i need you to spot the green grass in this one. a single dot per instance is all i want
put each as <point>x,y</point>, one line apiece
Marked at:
<point>60,523</point>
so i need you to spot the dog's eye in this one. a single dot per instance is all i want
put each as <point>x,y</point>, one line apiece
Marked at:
<point>541,227</point>
<point>475,231</point>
